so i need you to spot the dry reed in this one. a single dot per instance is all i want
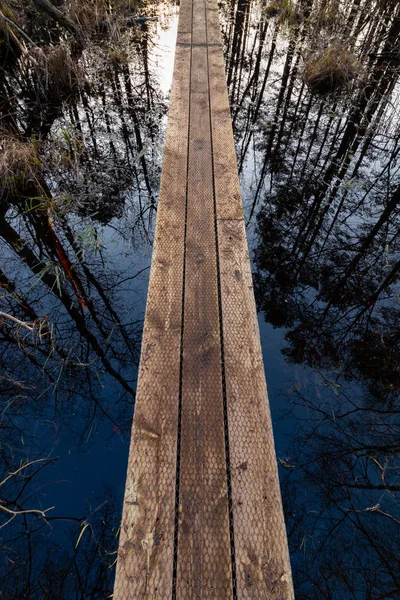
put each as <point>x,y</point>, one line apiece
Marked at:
<point>330,69</point>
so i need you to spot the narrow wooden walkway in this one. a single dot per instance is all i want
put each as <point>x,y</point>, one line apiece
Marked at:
<point>202,513</point>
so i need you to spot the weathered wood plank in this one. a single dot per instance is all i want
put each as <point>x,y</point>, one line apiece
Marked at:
<point>262,558</point>
<point>199,82</point>
<point>199,32</point>
<point>145,558</point>
<point>181,358</point>
<point>213,25</point>
<point>261,551</point>
<point>185,22</point>
<point>204,562</point>
<point>204,568</point>
<point>227,186</point>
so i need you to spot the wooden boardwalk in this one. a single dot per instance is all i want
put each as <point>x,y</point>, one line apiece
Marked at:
<point>202,513</point>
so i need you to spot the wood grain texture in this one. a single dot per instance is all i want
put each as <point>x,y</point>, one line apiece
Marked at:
<point>199,32</point>
<point>185,22</point>
<point>213,26</point>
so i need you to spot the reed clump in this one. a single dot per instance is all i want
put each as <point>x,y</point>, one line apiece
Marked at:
<point>118,55</point>
<point>330,69</point>
<point>99,16</point>
<point>56,74</point>
<point>88,15</point>
<point>19,163</point>
<point>286,10</point>
<point>273,9</point>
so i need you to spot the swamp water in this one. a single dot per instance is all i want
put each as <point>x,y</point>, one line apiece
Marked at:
<point>320,185</point>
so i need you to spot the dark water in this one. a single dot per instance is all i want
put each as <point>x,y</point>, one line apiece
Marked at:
<point>320,185</point>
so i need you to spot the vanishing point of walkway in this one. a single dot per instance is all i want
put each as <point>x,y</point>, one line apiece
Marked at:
<point>202,512</point>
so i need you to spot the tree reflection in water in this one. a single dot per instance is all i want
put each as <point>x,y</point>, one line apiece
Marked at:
<point>321,189</point>
<point>78,198</point>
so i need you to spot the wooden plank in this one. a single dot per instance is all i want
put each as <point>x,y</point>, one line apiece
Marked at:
<point>185,22</point>
<point>204,562</point>
<point>261,550</point>
<point>146,548</point>
<point>199,32</point>
<point>199,82</point>
<point>182,358</point>
<point>262,557</point>
<point>227,186</point>
<point>213,25</point>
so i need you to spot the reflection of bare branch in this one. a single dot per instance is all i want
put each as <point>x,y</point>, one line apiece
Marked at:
<point>15,513</point>
<point>26,477</point>
<point>39,326</point>
<point>25,324</point>
<point>35,511</point>
<point>25,466</point>
<point>375,509</point>
<point>11,25</point>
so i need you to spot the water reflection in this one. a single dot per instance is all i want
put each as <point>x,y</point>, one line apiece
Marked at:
<point>81,162</point>
<point>320,180</point>
<point>82,158</point>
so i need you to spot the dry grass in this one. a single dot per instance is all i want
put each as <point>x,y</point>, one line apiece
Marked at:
<point>118,55</point>
<point>19,163</point>
<point>56,73</point>
<point>288,11</point>
<point>330,69</point>
<point>328,19</point>
<point>88,14</point>
<point>273,9</point>
<point>99,15</point>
